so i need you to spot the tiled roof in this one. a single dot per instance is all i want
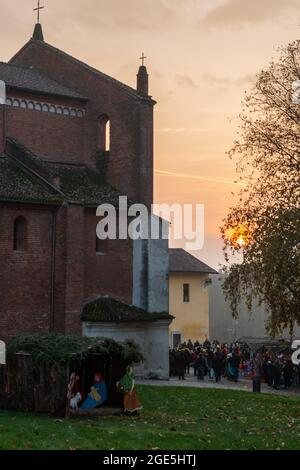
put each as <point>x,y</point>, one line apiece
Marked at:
<point>18,186</point>
<point>182,261</point>
<point>77,183</point>
<point>83,186</point>
<point>108,309</point>
<point>131,91</point>
<point>29,79</point>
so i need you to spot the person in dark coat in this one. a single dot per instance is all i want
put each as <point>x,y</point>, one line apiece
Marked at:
<point>288,372</point>
<point>217,364</point>
<point>269,371</point>
<point>210,356</point>
<point>234,364</point>
<point>180,364</point>
<point>200,367</point>
<point>276,374</point>
<point>188,360</point>
<point>173,370</point>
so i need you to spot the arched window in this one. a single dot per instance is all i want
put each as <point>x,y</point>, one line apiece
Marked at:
<point>73,113</point>
<point>45,108</point>
<point>66,112</point>
<point>59,110</point>
<point>107,136</point>
<point>20,234</point>
<point>52,109</point>
<point>80,113</point>
<point>38,107</point>
<point>23,104</point>
<point>9,102</point>
<point>104,133</point>
<point>30,105</point>
<point>16,103</point>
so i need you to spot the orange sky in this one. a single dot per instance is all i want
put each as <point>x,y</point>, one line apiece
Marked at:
<point>202,55</point>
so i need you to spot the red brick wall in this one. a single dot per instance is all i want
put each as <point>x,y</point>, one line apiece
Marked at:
<point>25,276</point>
<point>51,136</point>
<point>78,273</point>
<point>59,320</point>
<point>110,273</point>
<point>130,166</point>
<point>75,243</point>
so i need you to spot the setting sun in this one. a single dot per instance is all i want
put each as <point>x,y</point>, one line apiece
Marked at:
<point>239,236</point>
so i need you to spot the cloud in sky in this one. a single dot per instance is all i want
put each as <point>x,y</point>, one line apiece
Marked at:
<point>185,81</point>
<point>240,12</point>
<point>219,82</point>
<point>215,80</point>
<point>198,177</point>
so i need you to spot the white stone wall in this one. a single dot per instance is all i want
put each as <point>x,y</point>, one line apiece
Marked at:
<point>151,271</point>
<point>225,328</point>
<point>152,339</point>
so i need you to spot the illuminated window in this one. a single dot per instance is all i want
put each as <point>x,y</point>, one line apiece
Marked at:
<point>104,133</point>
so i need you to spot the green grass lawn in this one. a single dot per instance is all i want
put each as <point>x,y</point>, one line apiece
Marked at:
<point>173,419</point>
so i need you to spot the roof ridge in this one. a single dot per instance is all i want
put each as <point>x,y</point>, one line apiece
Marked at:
<point>21,164</point>
<point>132,91</point>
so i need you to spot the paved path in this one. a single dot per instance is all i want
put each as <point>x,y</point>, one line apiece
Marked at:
<point>242,384</point>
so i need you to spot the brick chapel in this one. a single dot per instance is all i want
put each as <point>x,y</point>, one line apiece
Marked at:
<point>72,138</point>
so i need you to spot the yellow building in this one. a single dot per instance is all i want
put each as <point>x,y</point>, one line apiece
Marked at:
<point>189,303</point>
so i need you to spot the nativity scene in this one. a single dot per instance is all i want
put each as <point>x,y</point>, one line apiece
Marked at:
<point>69,376</point>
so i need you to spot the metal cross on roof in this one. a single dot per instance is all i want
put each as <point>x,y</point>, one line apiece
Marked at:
<point>38,10</point>
<point>143,58</point>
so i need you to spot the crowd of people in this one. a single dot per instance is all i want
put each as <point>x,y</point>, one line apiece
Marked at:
<point>233,361</point>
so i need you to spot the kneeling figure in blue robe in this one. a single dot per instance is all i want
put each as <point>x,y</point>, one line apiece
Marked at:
<point>97,395</point>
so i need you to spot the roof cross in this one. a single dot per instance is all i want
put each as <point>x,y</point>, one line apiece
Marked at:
<point>38,11</point>
<point>143,58</point>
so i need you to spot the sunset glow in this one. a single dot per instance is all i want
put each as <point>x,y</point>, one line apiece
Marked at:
<point>201,57</point>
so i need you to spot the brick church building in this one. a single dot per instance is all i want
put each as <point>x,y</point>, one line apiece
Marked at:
<point>72,138</point>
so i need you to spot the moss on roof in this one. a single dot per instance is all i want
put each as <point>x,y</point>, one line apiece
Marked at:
<point>19,186</point>
<point>83,186</point>
<point>60,350</point>
<point>78,183</point>
<point>108,309</point>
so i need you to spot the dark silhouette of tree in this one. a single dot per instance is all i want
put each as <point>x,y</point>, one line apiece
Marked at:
<point>265,224</point>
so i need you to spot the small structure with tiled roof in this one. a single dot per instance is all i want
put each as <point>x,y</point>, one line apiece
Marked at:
<point>183,262</point>
<point>110,317</point>
<point>189,279</point>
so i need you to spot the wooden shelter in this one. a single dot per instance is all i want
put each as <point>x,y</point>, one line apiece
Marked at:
<point>39,367</point>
